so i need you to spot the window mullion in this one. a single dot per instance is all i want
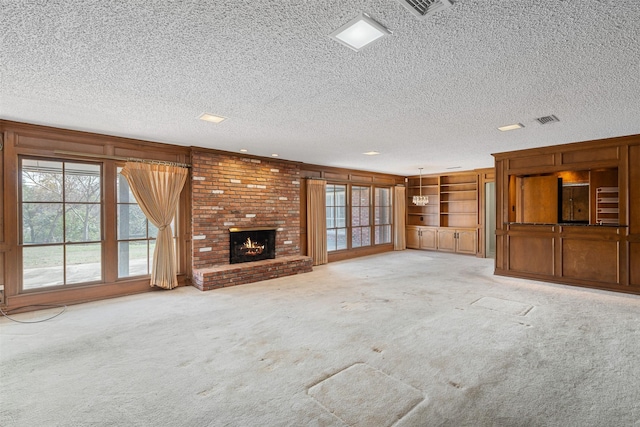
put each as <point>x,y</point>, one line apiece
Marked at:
<point>109,232</point>
<point>64,223</point>
<point>349,215</point>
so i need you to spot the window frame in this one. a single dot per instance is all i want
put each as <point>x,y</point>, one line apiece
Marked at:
<point>64,243</point>
<point>360,207</point>
<point>109,257</point>
<point>389,214</point>
<point>149,238</point>
<point>334,208</point>
<point>372,225</point>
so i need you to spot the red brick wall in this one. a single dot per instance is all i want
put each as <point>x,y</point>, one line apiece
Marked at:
<point>235,191</point>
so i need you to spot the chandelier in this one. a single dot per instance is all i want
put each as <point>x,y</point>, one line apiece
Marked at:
<point>420,200</point>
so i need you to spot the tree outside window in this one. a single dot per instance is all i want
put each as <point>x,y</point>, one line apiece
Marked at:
<point>136,235</point>
<point>61,221</point>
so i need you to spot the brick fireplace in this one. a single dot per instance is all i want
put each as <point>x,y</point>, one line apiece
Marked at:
<point>244,193</point>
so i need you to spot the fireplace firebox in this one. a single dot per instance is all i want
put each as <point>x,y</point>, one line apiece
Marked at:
<point>251,244</point>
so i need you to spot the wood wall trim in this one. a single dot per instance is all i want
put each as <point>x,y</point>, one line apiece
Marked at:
<point>28,131</point>
<point>566,148</point>
<point>335,174</point>
<point>80,294</point>
<point>359,252</point>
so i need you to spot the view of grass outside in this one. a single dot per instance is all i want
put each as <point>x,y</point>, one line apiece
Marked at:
<point>43,265</point>
<point>47,256</point>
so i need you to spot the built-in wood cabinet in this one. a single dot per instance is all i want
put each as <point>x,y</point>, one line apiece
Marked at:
<point>570,214</point>
<point>422,237</point>
<point>450,221</point>
<point>459,240</point>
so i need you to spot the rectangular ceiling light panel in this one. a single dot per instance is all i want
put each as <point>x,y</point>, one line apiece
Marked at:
<point>208,117</point>
<point>424,8</point>
<point>511,127</point>
<point>359,32</point>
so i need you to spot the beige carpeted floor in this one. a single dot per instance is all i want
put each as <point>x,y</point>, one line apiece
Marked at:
<point>408,338</point>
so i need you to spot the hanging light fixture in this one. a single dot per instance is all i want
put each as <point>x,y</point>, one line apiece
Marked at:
<point>420,200</point>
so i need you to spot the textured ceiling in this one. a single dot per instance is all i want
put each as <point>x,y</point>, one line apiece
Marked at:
<point>430,95</point>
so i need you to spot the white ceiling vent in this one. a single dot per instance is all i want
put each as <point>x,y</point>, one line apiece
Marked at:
<point>424,8</point>
<point>547,119</point>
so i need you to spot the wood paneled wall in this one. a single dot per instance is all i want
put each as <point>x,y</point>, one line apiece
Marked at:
<point>600,256</point>
<point>47,142</point>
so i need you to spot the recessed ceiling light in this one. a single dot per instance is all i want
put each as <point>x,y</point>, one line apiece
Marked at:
<point>207,117</point>
<point>371,153</point>
<point>274,155</point>
<point>359,32</point>
<point>511,127</point>
<point>243,150</point>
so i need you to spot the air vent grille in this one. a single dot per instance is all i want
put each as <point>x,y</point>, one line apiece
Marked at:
<point>547,119</point>
<point>423,8</point>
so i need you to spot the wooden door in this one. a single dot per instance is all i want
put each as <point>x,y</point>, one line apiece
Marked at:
<point>540,199</point>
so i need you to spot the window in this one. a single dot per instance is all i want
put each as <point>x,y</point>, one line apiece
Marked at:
<point>136,235</point>
<point>61,235</point>
<point>336,202</point>
<point>383,216</point>
<point>360,214</point>
<point>67,228</point>
<point>365,221</point>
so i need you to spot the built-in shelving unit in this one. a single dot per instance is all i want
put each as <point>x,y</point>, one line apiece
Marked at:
<point>607,209</point>
<point>449,222</point>
<point>423,215</point>
<point>458,200</point>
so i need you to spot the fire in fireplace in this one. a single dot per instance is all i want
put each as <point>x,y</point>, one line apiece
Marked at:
<point>251,248</point>
<point>251,244</point>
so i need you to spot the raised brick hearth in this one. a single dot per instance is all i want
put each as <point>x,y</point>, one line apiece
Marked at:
<point>229,191</point>
<point>238,274</point>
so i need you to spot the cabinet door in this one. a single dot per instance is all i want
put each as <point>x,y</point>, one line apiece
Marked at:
<point>429,238</point>
<point>540,199</point>
<point>413,237</point>
<point>467,242</point>
<point>446,240</point>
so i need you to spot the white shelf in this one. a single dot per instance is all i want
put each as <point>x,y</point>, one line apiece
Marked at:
<point>607,189</point>
<point>607,200</point>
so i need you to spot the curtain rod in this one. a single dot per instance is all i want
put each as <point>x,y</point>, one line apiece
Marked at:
<point>126,159</point>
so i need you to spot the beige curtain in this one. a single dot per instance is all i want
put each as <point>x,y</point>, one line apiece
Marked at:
<point>157,188</point>
<point>317,221</point>
<point>399,207</point>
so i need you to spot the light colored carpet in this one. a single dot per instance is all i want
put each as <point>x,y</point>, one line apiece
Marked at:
<point>509,307</point>
<point>407,338</point>
<point>363,396</point>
